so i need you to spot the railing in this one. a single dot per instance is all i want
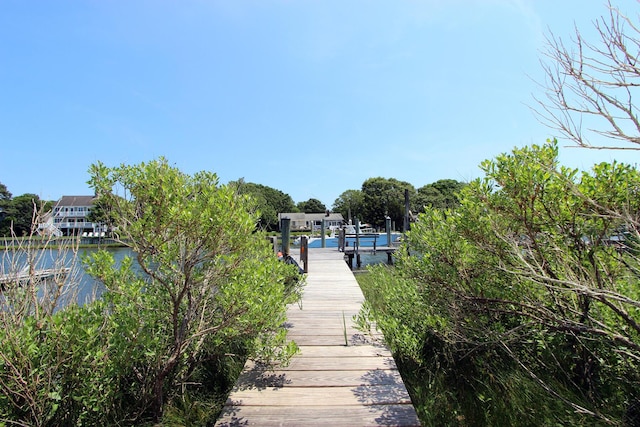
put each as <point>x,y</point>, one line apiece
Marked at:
<point>345,239</point>
<point>74,224</point>
<point>65,214</point>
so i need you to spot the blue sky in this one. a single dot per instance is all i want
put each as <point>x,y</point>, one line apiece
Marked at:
<point>309,97</point>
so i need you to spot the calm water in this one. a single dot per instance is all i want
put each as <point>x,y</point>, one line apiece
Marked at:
<point>88,287</point>
<point>332,242</point>
<point>52,258</point>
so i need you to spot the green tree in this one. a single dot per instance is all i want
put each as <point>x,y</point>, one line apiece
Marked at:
<point>5,199</point>
<point>350,204</point>
<point>5,195</point>
<point>269,202</point>
<point>21,213</point>
<point>311,206</point>
<point>101,214</point>
<point>528,314</point>
<point>441,194</point>
<point>384,197</point>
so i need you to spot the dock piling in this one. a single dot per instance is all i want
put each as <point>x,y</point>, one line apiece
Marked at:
<point>285,229</point>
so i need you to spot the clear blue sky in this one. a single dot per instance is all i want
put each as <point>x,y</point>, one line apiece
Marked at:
<point>309,97</point>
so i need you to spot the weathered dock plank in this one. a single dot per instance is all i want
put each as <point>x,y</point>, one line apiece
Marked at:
<point>385,394</point>
<point>330,381</point>
<point>312,416</point>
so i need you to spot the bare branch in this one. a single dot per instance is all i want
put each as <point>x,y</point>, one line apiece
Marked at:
<point>592,85</point>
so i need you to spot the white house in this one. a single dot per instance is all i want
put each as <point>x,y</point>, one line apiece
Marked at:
<point>312,221</point>
<point>70,216</point>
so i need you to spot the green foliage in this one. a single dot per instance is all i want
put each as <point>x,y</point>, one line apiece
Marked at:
<point>19,214</point>
<point>51,369</point>
<point>350,204</point>
<point>5,194</point>
<point>101,214</point>
<point>174,326</point>
<point>268,201</point>
<point>5,198</point>
<point>311,206</point>
<point>528,314</point>
<point>442,194</point>
<point>384,197</point>
<point>209,278</point>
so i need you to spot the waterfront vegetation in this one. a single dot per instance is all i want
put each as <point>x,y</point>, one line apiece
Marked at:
<point>516,300</point>
<point>522,305</point>
<point>173,328</point>
<point>518,306</point>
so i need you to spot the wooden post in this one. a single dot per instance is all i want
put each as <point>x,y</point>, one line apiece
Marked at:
<point>323,233</point>
<point>356,248</point>
<point>387,224</point>
<point>304,253</point>
<point>285,229</point>
<point>406,225</point>
<point>357,223</point>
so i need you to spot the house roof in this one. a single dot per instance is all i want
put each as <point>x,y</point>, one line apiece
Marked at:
<point>300,216</point>
<point>76,201</point>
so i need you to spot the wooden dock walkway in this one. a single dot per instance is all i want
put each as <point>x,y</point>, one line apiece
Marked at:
<point>341,377</point>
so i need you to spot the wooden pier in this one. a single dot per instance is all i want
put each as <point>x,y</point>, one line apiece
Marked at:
<point>341,377</point>
<point>350,253</point>
<point>352,246</point>
<point>22,277</point>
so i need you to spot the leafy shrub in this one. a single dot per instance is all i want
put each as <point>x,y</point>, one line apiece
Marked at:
<point>173,326</point>
<point>516,308</point>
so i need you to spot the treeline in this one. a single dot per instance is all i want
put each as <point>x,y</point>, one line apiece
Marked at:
<point>381,197</point>
<point>372,203</point>
<point>377,198</point>
<point>17,213</point>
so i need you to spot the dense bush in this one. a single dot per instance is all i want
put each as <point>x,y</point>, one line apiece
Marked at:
<point>173,326</point>
<point>522,306</point>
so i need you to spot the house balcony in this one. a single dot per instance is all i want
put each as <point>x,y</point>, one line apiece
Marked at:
<point>66,214</point>
<point>79,225</point>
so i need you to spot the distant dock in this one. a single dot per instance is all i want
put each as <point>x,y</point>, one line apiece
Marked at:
<point>352,247</point>
<point>22,277</point>
<point>352,253</point>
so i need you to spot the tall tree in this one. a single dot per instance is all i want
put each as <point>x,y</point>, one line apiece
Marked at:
<point>311,206</point>
<point>5,199</point>
<point>5,194</point>
<point>440,194</point>
<point>20,214</point>
<point>350,204</point>
<point>269,202</point>
<point>101,214</point>
<point>592,83</point>
<point>384,197</point>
